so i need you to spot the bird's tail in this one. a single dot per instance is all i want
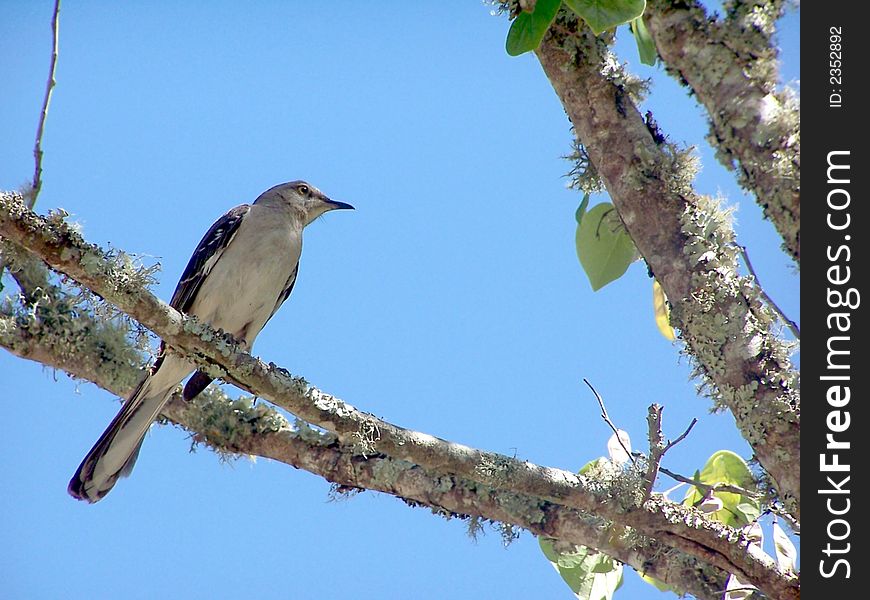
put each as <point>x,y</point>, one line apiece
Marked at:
<point>115,453</point>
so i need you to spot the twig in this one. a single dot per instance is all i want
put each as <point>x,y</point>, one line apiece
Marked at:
<point>607,420</point>
<point>708,488</point>
<point>49,87</point>
<point>658,447</point>
<point>792,326</point>
<point>682,436</point>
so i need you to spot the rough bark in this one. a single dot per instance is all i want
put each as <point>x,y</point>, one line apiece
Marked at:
<point>730,65</point>
<point>688,244</point>
<point>240,427</point>
<point>365,437</point>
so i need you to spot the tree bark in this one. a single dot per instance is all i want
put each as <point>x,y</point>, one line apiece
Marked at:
<point>544,500</point>
<point>730,66</point>
<point>688,244</point>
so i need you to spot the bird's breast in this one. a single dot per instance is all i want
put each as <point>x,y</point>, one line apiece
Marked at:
<point>240,293</point>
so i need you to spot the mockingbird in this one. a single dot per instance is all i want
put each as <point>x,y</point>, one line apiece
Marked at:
<point>240,273</point>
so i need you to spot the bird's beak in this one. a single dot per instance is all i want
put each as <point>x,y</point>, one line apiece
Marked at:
<point>336,205</point>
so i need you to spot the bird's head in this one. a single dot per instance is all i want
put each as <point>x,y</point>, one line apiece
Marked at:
<point>302,197</point>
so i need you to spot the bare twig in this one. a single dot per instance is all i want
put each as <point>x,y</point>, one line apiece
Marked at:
<point>792,326</point>
<point>607,420</point>
<point>682,436</point>
<point>49,87</point>
<point>706,488</point>
<point>658,447</point>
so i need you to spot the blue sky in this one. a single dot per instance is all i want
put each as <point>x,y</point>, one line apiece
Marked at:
<point>451,301</point>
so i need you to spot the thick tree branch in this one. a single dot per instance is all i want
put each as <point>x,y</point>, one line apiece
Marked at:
<point>687,242</point>
<point>51,320</point>
<point>65,251</point>
<point>239,427</point>
<point>731,67</point>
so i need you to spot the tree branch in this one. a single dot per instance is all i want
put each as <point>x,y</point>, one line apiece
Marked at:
<point>66,252</point>
<point>707,489</point>
<point>731,67</point>
<point>239,427</point>
<point>687,242</point>
<point>792,326</point>
<point>36,186</point>
<point>610,423</point>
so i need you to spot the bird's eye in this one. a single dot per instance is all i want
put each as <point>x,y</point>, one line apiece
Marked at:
<point>304,190</point>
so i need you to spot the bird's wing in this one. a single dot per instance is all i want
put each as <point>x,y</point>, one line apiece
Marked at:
<point>204,258</point>
<point>207,253</point>
<point>285,293</point>
<point>200,380</point>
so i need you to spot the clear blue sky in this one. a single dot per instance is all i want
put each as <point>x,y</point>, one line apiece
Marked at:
<point>450,301</point>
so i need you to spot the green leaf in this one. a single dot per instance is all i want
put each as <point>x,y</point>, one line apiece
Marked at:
<point>749,511</point>
<point>728,468</point>
<point>590,574</point>
<point>581,210</point>
<point>603,246</point>
<point>602,15</point>
<point>659,585</point>
<point>528,29</point>
<point>646,47</point>
<point>594,463</point>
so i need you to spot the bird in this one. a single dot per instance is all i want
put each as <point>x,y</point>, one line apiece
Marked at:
<point>242,271</point>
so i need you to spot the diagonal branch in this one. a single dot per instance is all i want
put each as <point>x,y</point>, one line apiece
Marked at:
<point>730,65</point>
<point>65,251</point>
<point>36,186</point>
<point>610,423</point>
<point>792,326</point>
<point>263,432</point>
<point>687,242</point>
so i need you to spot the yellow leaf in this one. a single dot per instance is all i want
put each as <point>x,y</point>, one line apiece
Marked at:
<point>660,307</point>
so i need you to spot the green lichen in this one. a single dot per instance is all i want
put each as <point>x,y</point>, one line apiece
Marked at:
<point>728,326</point>
<point>509,533</point>
<point>522,509</point>
<point>365,439</point>
<point>329,404</point>
<point>388,472</point>
<point>623,485</point>
<point>634,87</point>
<point>494,469</point>
<point>583,175</point>
<point>474,527</point>
<point>226,424</point>
<point>577,40</point>
<point>313,435</point>
<point>338,492</point>
<point>730,64</point>
<point>75,328</point>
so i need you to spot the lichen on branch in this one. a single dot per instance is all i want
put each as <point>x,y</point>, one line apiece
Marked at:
<point>730,66</point>
<point>518,491</point>
<point>688,247</point>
